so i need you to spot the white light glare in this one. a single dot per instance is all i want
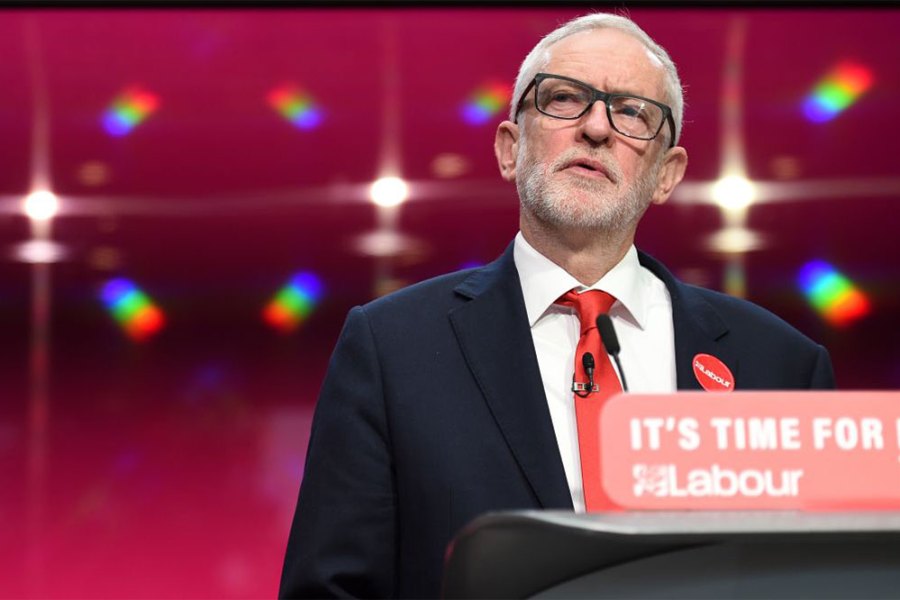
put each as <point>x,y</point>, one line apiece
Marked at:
<point>387,243</point>
<point>39,252</point>
<point>736,240</point>
<point>734,192</point>
<point>389,191</point>
<point>41,205</point>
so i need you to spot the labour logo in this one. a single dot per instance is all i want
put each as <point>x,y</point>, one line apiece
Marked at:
<point>712,373</point>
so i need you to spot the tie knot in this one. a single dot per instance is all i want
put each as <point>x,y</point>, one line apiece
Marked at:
<point>589,305</point>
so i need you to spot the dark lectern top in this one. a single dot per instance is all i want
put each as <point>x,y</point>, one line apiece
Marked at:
<point>521,554</point>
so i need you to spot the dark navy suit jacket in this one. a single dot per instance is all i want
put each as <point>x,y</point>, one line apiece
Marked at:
<point>433,412</point>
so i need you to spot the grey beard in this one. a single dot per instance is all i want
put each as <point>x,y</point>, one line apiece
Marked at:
<point>555,202</point>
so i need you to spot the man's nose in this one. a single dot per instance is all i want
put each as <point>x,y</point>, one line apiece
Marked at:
<point>595,125</point>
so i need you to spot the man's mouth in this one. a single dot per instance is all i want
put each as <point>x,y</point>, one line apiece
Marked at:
<point>587,167</point>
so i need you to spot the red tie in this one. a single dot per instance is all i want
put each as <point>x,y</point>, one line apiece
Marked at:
<point>590,305</point>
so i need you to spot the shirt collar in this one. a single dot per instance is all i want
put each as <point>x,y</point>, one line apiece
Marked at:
<point>543,282</point>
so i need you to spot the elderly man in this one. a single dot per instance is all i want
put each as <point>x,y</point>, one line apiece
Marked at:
<point>462,394</point>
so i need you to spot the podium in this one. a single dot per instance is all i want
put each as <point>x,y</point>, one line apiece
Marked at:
<point>775,554</point>
<point>740,495</point>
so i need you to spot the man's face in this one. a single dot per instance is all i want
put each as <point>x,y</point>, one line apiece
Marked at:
<point>583,173</point>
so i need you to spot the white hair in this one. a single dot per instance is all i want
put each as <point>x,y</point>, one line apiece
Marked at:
<point>539,56</point>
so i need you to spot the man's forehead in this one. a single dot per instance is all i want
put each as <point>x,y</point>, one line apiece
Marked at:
<point>604,47</point>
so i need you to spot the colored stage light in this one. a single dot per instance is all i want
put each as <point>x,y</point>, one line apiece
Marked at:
<point>128,110</point>
<point>135,312</point>
<point>296,105</point>
<point>294,303</point>
<point>836,91</point>
<point>833,296</point>
<point>485,102</point>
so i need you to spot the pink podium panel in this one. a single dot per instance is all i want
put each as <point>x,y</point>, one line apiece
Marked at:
<point>752,450</point>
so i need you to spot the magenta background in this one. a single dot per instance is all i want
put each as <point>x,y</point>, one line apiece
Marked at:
<point>171,467</point>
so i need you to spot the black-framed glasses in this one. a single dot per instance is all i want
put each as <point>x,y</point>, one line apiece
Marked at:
<point>566,98</point>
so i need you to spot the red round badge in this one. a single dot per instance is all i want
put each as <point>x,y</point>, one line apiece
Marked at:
<point>712,373</point>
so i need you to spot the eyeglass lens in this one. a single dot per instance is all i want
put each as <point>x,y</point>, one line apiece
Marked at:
<point>631,116</point>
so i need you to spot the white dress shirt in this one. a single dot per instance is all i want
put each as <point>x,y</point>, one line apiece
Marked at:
<point>641,316</point>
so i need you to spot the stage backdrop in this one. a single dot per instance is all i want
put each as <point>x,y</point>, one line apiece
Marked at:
<point>165,331</point>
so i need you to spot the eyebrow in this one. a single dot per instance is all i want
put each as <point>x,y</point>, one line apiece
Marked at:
<point>610,90</point>
<point>623,91</point>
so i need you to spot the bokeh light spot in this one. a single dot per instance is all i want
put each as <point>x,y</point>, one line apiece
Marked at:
<point>128,110</point>
<point>135,312</point>
<point>831,294</point>
<point>296,105</point>
<point>838,90</point>
<point>485,102</point>
<point>293,304</point>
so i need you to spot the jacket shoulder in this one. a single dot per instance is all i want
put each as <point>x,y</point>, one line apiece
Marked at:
<point>774,354</point>
<point>748,317</point>
<point>436,293</point>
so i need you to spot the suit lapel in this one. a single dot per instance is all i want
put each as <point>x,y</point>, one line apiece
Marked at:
<point>698,328</point>
<point>493,333</point>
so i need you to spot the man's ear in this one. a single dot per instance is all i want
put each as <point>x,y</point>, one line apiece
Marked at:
<point>670,174</point>
<point>506,148</point>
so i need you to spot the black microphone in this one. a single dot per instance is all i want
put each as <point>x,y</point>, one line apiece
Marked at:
<point>583,390</point>
<point>587,361</point>
<point>611,343</point>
